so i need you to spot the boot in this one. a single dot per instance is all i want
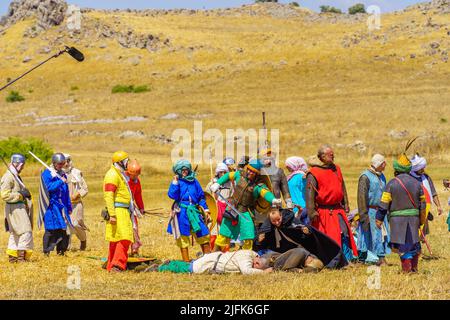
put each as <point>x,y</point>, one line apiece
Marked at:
<point>406,265</point>
<point>206,248</point>
<point>415,263</point>
<point>83,245</point>
<point>185,254</point>
<point>21,256</point>
<point>12,259</point>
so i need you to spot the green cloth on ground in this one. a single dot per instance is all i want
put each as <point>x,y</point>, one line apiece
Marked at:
<point>193,216</point>
<point>175,266</point>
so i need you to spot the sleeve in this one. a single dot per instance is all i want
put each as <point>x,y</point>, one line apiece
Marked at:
<point>363,197</point>
<point>138,195</point>
<point>201,195</point>
<point>346,204</point>
<point>226,177</point>
<point>109,192</point>
<point>310,195</point>
<point>386,197</point>
<point>263,191</point>
<point>245,263</point>
<point>284,186</point>
<point>83,187</point>
<point>67,201</point>
<point>422,202</point>
<point>52,183</point>
<point>174,191</point>
<point>433,189</point>
<point>7,184</point>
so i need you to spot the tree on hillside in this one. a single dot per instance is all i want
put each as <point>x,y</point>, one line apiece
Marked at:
<point>357,8</point>
<point>324,9</point>
<point>266,1</point>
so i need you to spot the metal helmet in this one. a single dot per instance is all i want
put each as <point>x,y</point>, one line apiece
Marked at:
<point>119,156</point>
<point>228,161</point>
<point>134,168</point>
<point>18,158</point>
<point>58,158</point>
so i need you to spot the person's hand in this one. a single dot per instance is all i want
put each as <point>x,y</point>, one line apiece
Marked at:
<point>289,204</point>
<point>142,211</point>
<point>53,173</point>
<point>113,220</point>
<point>440,211</point>
<point>25,193</point>
<point>261,237</point>
<point>315,218</point>
<point>208,216</point>
<point>268,270</point>
<point>214,187</point>
<point>276,203</point>
<point>379,223</point>
<point>305,230</point>
<point>76,197</point>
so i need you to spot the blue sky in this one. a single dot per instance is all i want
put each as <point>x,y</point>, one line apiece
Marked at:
<point>385,5</point>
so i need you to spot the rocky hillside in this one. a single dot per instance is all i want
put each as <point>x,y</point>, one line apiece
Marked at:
<point>200,64</point>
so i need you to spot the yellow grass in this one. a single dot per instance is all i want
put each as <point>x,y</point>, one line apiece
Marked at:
<point>311,88</point>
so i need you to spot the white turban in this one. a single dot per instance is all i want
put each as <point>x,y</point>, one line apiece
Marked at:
<point>418,163</point>
<point>221,167</point>
<point>377,160</point>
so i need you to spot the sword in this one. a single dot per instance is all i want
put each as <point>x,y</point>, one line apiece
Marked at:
<point>44,164</point>
<point>230,205</point>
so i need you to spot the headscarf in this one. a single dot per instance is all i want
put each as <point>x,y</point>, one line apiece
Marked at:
<point>418,163</point>
<point>297,165</point>
<point>255,165</point>
<point>377,160</point>
<point>221,167</point>
<point>184,164</point>
<point>401,168</point>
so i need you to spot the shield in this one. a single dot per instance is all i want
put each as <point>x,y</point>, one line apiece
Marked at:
<point>262,206</point>
<point>213,210</point>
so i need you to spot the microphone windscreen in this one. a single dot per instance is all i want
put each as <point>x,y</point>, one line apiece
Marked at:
<point>77,55</point>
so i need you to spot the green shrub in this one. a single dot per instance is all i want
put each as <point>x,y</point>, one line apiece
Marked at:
<point>14,96</point>
<point>294,4</point>
<point>324,9</point>
<point>73,88</point>
<point>18,145</point>
<point>129,89</point>
<point>357,8</point>
<point>266,1</point>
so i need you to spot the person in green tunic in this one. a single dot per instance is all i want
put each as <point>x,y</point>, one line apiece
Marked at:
<point>249,188</point>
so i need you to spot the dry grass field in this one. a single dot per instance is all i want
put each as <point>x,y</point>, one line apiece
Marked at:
<point>224,71</point>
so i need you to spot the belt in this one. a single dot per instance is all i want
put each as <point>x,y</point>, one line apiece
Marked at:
<point>121,205</point>
<point>18,202</point>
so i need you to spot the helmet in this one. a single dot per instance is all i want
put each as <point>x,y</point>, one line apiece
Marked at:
<point>134,168</point>
<point>18,158</point>
<point>228,161</point>
<point>119,156</point>
<point>255,165</point>
<point>58,158</point>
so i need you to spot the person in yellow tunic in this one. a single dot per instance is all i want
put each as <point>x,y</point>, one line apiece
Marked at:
<point>119,203</point>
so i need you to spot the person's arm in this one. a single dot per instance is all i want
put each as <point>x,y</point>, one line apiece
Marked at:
<point>435,196</point>
<point>363,199</point>
<point>174,190</point>
<point>66,200</point>
<point>310,196</point>
<point>385,203</point>
<point>284,186</point>
<point>201,196</point>
<point>7,193</point>
<point>346,204</point>
<point>52,183</point>
<point>138,196</point>
<point>110,186</point>
<point>83,186</point>
<point>263,191</point>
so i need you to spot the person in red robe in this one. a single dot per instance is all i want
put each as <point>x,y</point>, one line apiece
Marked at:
<point>327,202</point>
<point>133,172</point>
